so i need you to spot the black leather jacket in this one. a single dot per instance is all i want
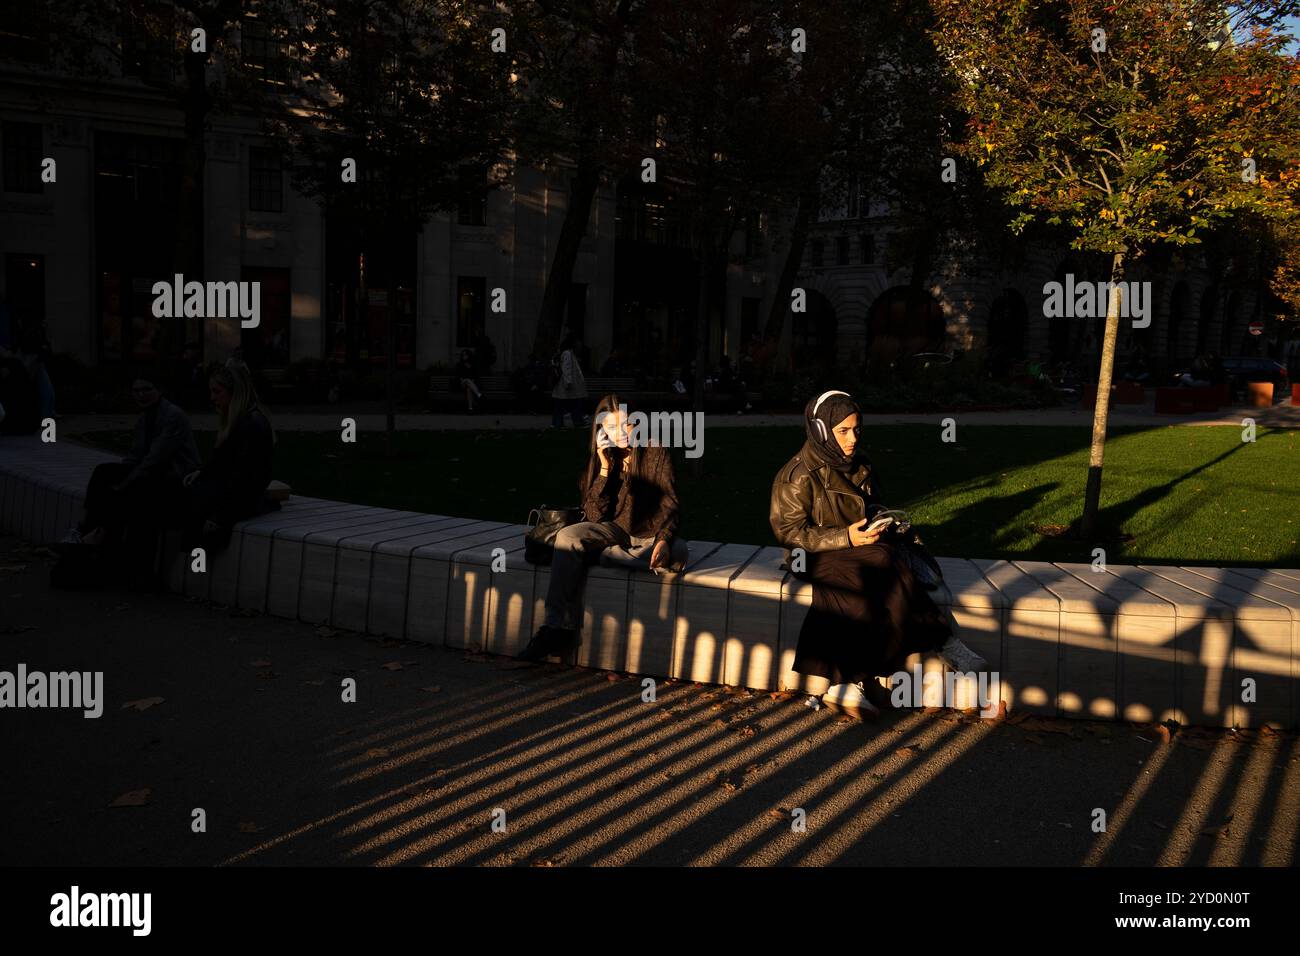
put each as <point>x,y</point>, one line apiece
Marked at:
<point>813,504</point>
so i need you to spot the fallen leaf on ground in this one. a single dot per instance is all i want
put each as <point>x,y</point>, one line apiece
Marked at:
<point>908,751</point>
<point>1217,829</point>
<point>393,666</point>
<point>249,828</point>
<point>144,703</point>
<point>778,813</point>
<point>612,677</point>
<point>378,752</point>
<point>133,798</point>
<point>342,733</point>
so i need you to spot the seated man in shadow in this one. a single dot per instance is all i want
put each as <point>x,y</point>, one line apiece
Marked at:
<point>142,491</point>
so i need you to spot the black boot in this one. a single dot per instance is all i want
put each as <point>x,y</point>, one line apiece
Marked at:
<point>547,642</point>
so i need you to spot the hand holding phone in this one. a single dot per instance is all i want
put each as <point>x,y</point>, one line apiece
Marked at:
<point>880,524</point>
<point>860,534</point>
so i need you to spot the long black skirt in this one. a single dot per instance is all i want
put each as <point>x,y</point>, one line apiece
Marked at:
<point>869,613</point>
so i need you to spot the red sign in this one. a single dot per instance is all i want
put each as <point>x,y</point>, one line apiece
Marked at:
<point>1256,328</point>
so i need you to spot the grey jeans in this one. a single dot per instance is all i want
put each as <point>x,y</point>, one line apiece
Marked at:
<point>591,542</point>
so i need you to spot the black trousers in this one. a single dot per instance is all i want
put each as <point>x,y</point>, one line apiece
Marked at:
<point>868,615</point>
<point>132,516</point>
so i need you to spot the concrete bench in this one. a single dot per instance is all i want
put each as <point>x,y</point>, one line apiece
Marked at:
<point>1140,643</point>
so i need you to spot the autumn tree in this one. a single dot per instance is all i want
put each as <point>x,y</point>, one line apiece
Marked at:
<point>1131,126</point>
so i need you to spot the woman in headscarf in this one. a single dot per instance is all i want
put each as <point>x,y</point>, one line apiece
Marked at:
<point>869,611</point>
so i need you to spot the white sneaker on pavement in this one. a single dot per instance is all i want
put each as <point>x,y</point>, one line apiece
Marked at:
<point>961,658</point>
<point>852,700</point>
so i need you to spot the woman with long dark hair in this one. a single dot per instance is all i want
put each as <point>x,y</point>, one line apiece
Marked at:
<point>629,500</point>
<point>869,611</point>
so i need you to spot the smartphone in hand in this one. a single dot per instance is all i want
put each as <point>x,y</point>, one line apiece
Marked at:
<point>879,525</point>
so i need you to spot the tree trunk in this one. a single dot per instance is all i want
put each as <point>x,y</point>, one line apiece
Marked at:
<point>195,103</point>
<point>556,296</point>
<point>793,259</point>
<point>1092,495</point>
<point>393,233</point>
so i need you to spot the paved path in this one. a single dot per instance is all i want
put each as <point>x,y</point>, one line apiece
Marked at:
<point>1279,416</point>
<point>251,728</point>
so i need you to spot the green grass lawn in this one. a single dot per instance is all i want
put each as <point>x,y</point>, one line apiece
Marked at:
<point>1172,494</point>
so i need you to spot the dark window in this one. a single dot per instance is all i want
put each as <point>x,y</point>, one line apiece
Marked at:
<point>25,292</point>
<point>265,180</point>
<point>749,306</point>
<point>471,210</point>
<point>471,308</point>
<point>22,157</point>
<point>753,235</point>
<point>868,243</point>
<point>267,346</point>
<point>818,253</point>
<point>264,55</point>
<point>841,250</point>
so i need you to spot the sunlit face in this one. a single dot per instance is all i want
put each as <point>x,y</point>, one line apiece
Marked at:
<point>220,395</point>
<point>846,433</point>
<point>616,427</point>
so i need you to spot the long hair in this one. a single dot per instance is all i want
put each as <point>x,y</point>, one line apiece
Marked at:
<point>235,377</point>
<point>608,403</point>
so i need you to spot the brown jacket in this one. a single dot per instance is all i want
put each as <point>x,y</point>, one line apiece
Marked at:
<point>813,504</point>
<point>643,504</point>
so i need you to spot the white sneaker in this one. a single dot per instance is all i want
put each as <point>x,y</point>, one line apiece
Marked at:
<point>961,658</point>
<point>852,700</point>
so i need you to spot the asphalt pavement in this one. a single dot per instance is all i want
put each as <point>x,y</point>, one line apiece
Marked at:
<point>448,757</point>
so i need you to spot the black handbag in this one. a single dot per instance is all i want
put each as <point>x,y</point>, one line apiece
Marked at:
<point>924,567</point>
<point>543,525</point>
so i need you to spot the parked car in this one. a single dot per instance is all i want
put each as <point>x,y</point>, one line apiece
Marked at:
<point>1240,370</point>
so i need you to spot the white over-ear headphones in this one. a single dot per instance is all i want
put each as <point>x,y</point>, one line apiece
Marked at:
<point>820,425</point>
